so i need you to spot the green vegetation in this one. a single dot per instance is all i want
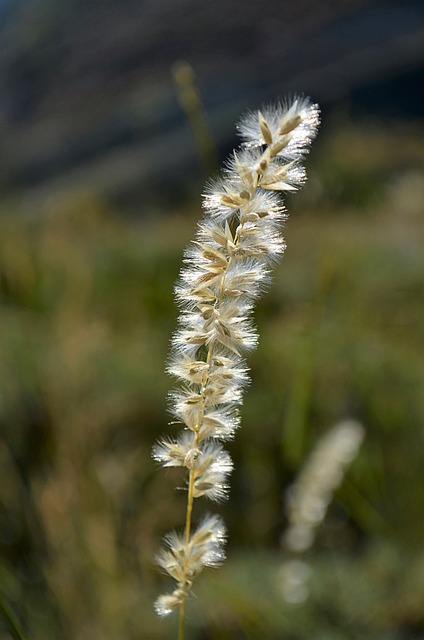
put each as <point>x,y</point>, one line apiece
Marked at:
<point>86,317</point>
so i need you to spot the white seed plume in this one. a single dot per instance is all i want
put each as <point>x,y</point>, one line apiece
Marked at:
<point>309,497</point>
<point>225,271</point>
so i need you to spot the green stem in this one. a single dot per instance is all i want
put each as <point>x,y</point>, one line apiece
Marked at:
<point>181,624</point>
<point>11,621</point>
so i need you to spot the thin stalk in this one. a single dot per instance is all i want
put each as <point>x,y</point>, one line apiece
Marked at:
<point>10,619</point>
<point>190,497</point>
<point>190,500</point>
<point>181,622</point>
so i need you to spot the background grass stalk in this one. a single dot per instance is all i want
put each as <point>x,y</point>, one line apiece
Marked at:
<point>10,619</point>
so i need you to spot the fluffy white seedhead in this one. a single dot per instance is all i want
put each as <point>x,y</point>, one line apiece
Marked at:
<point>308,498</point>
<point>226,269</point>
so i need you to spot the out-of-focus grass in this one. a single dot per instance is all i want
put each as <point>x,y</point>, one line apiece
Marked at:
<point>86,315</point>
<point>375,596</point>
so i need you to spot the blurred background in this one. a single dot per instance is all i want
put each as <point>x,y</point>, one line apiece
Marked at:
<point>113,114</point>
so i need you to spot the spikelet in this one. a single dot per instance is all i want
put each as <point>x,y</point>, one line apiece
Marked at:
<point>225,271</point>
